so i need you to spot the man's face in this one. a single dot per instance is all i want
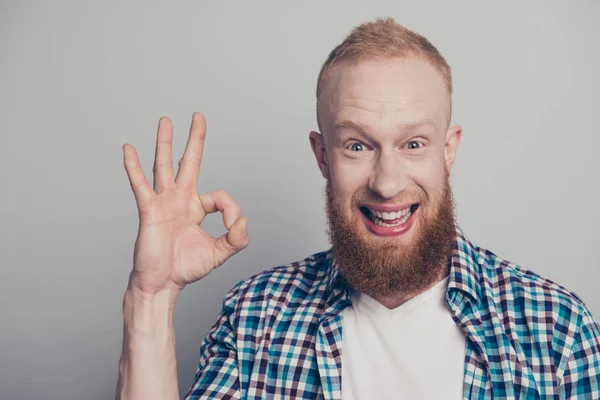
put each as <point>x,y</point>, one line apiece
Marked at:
<point>386,152</point>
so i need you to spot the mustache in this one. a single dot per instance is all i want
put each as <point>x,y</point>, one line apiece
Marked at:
<point>412,196</point>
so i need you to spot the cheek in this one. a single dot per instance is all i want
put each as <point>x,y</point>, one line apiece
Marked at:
<point>347,178</point>
<point>430,175</point>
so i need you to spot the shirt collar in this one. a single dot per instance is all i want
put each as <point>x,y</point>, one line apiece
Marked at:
<point>465,270</point>
<point>465,267</point>
<point>337,290</point>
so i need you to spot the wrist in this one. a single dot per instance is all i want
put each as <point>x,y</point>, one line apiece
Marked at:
<point>149,314</point>
<point>167,295</point>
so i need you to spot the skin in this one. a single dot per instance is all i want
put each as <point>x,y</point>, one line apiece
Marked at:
<point>385,132</point>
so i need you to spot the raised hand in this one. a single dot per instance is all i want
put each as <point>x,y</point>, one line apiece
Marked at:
<point>171,249</point>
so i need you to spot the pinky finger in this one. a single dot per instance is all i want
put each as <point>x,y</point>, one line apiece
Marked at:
<point>139,184</point>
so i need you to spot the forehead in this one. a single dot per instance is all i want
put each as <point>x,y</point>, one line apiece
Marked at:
<point>385,92</point>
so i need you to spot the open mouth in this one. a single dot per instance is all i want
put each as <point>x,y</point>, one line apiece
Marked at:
<point>389,219</point>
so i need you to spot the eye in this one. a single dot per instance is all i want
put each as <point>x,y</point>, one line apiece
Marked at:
<point>356,147</point>
<point>414,144</point>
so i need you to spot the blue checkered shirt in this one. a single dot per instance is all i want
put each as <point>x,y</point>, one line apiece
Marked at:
<point>279,334</point>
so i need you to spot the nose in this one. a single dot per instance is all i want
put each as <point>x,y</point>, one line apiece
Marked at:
<point>389,179</point>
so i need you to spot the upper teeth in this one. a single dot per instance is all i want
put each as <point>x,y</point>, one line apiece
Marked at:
<point>390,215</point>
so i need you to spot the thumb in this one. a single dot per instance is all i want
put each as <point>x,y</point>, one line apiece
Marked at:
<point>233,241</point>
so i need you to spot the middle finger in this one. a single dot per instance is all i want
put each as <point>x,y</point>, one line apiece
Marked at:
<point>189,168</point>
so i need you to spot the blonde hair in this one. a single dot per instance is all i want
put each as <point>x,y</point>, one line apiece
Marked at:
<point>383,38</point>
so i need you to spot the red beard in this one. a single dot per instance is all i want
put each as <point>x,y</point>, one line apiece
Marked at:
<point>391,267</point>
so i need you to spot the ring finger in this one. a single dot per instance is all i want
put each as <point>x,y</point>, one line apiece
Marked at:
<point>163,159</point>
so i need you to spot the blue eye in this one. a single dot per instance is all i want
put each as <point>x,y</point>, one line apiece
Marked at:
<point>413,145</point>
<point>356,147</point>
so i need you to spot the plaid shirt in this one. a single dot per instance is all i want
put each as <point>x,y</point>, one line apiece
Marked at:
<point>279,334</point>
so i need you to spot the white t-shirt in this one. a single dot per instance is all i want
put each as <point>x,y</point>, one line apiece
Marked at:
<point>414,351</point>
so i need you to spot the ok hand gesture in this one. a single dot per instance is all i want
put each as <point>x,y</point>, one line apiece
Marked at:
<point>171,249</point>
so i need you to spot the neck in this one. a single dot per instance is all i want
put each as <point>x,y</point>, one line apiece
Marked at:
<point>396,300</point>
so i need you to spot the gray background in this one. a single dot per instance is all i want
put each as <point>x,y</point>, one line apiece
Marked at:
<point>78,79</point>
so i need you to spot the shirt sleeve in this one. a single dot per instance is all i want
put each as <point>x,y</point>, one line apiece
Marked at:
<point>581,379</point>
<point>217,376</point>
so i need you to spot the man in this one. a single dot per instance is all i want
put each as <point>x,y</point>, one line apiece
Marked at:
<point>402,306</point>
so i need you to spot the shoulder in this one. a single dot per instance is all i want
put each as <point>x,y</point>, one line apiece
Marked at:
<point>284,283</point>
<point>537,313</point>
<point>530,300</point>
<point>509,281</point>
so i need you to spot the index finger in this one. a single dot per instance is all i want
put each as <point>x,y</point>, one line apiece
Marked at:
<point>189,165</point>
<point>223,202</point>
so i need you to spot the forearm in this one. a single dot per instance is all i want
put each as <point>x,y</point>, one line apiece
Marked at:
<point>148,366</point>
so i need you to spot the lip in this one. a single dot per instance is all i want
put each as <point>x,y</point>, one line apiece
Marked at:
<point>387,208</point>
<point>389,231</point>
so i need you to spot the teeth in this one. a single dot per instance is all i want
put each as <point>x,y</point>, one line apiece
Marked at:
<point>377,220</point>
<point>390,216</point>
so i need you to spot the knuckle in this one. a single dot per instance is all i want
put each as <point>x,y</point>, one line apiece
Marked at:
<point>195,161</point>
<point>162,165</point>
<point>138,184</point>
<point>186,186</point>
<point>162,141</point>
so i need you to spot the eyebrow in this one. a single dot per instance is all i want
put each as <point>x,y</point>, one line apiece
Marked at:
<point>363,130</point>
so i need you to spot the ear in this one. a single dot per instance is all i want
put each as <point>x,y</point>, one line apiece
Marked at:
<point>317,143</point>
<point>453,136</point>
